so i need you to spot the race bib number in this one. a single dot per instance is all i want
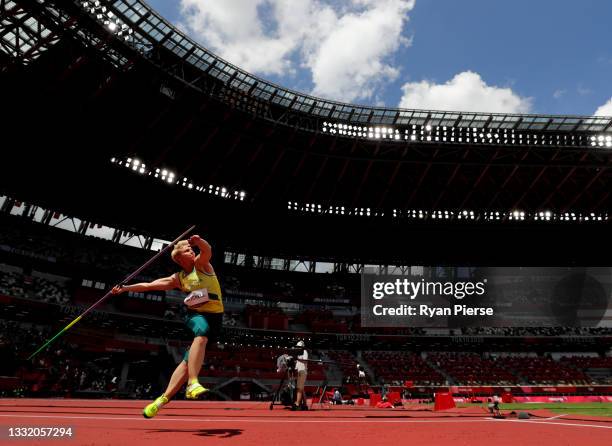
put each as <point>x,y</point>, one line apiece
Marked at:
<point>197,298</point>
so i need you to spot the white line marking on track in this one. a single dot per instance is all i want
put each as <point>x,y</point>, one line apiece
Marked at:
<point>234,420</point>
<point>554,423</point>
<point>558,416</point>
<point>241,420</point>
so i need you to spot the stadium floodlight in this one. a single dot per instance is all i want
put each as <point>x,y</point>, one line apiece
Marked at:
<point>447,214</point>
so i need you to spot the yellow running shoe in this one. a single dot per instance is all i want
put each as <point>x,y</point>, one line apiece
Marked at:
<point>195,390</point>
<point>151,410</point>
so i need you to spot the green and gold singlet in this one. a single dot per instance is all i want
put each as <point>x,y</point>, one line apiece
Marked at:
<point>197,280</point>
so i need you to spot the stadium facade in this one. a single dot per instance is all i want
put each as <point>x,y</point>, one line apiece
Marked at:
<point>275,172</point>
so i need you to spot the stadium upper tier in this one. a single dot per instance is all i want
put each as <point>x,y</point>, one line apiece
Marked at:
<point>91,82</point>
<point>143,30</point>
<point>141,27</point>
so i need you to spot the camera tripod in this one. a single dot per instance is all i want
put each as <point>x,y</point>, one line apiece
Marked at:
<point>290,376</point>
<point>323,398</point>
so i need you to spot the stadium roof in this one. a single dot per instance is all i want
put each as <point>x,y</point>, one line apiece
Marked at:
<point>88,81</point>
<point>143,28</point>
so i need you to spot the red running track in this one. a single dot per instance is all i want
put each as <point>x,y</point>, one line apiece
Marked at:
<point>119,422</point>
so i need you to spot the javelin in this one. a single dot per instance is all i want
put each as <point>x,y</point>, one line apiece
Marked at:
<point>123,282</point>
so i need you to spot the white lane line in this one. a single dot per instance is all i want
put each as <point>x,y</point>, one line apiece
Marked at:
<point>235,420</point>
<point>342,421</point>
<point>554,423</point>
<point>558,416</point>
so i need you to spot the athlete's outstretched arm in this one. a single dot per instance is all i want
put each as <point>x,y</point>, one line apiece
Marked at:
<point>163,284</point>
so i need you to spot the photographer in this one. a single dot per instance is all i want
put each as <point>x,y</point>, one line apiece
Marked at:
<point>301,368</point>
<point>337,399</point>
<point>494,406</point>
<point>362,380</point>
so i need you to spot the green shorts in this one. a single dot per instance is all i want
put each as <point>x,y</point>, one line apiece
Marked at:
<point>203,324</point>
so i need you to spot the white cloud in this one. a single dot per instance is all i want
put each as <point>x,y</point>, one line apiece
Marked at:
<point>234,29</point>
<point>464,92</point>
<point>604,110</point>
<point>350,62</point>
<point>345,48</point>
<point>558,94</point>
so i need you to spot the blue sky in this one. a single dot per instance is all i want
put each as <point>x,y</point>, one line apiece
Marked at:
<point>536,56</point>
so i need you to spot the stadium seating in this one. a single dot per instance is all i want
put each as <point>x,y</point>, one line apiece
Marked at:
<point>265,318</point>
<point>471,369</point>
<point>588,362</point>
<point>398,367</point>
<point>347,364</point>
<point>543,370</point>
<point>251,362</point>
<point>51,276</point>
